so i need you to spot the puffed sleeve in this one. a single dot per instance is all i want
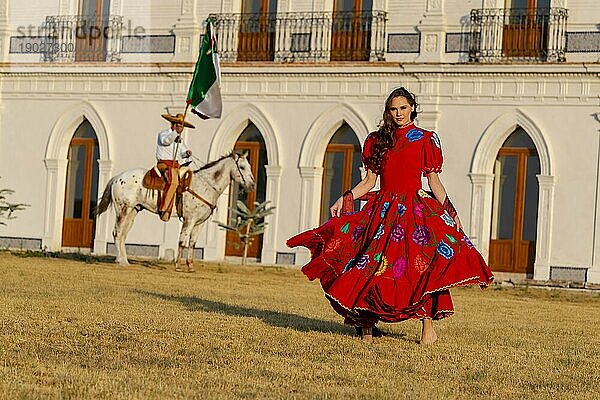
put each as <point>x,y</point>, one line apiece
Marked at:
<point>432,154</point>
<point>368,150</point>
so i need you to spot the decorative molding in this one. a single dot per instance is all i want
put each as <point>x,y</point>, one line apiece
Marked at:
<point>431,44</point>
<point>187,7</point>
<point>3,9</point>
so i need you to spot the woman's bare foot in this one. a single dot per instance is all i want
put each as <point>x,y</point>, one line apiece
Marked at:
<point>428,335</point>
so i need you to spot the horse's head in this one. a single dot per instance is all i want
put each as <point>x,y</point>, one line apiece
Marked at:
<point>242,172</point>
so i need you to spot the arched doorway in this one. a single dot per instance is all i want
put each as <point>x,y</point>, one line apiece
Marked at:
<point>341,167</point>
<point>251,140</point>
<point>515,205</point>
<point>81,190</point>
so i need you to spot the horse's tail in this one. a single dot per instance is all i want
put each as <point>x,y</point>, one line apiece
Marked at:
<point>106,198</point>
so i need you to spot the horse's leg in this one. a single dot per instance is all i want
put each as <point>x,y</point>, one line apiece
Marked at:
<point>184,237</point>
<point>192,246</point>
<point>124,223</point>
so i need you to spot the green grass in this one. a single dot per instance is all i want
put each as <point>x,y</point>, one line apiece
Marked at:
<point>71,329</point>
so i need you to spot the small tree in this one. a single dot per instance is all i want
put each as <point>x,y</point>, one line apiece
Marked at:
<point>248,224</point>
<point>6,208</point>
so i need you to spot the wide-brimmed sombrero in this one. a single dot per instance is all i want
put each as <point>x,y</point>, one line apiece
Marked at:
<point>177,119</point>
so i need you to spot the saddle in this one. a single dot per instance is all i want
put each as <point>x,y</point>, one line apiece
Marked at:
<point>154,180</point>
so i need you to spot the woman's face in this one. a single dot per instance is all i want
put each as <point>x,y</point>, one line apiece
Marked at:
<point>400,110</point>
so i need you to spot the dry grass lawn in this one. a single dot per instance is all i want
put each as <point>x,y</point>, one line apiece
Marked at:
<point>71,329</point>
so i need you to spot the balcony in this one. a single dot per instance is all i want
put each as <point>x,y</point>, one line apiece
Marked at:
<point>82,38</point>
<point>301,36</point>
<point>518,35</point>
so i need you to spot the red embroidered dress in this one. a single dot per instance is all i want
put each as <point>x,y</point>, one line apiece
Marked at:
<point>397,257</point>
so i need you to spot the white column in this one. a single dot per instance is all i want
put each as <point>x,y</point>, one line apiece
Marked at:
<point>481,211</point>
<point>310,197</point>
<point>56,178</point>
<point>187,33</point>
<point>433,33</point>
<point>541,268</point>
<point>269,249</point>
<point>103,231</point>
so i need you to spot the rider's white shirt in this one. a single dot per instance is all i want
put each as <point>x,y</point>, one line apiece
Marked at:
<point>165,146</point>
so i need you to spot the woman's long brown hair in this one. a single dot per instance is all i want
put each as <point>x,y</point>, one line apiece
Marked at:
<point>385,133</point>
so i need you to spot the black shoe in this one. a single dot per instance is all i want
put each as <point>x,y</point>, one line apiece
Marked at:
<point>376,331</point>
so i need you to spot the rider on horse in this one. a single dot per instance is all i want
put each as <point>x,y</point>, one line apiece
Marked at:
<point>171,152</point>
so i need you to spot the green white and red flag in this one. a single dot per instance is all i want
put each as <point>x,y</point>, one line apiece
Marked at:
<point>204,95</point>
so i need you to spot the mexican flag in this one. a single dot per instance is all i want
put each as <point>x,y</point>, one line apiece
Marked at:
<point>204,95</point>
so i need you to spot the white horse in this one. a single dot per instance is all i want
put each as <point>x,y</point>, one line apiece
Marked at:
<point>128,196</point>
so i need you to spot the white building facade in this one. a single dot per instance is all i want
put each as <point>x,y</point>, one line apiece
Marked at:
<point>512,88</point>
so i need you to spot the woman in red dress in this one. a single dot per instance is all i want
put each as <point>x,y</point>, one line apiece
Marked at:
<point>397,258</point>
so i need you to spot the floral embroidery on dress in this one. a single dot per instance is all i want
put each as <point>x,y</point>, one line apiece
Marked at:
<point>382,266</point>
<point>451,238</point>
<point>401,209</point>
<point>436,140</point>
<point>348,265</point>
<point>419,210</point>
<point>357,232</point>
<point>384,209</point>
<point>445,250</point>
<point>424,194</point>
<point>399,267</point>
<point>345,228</point>
<point>420,263</point>
<point>414,134</point>
<point>380,232</point>
<point>448,219</point>
<point>397,233</point>
<point>333,244</point>
<point>362,263</point>
<point>467,242</point>
<point>421,235</point>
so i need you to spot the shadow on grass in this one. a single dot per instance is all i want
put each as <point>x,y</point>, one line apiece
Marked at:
<point>274,318</point>
<point>86,258</point>
<point>271,317</point>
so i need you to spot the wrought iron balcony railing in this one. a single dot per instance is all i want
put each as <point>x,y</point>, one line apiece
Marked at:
<point>518,35</point>
<point>301,36</point>
<point>83,38</point>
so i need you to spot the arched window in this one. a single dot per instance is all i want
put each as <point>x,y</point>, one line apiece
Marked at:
<point>341,167</point>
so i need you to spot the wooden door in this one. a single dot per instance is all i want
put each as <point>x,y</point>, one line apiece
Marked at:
<point>526,29</point>
<point>91,30</point>
<point>81,191</point>
<point>257,159</point>
<point>257,30</point>
<point>514,217</point>
<point>351,30</point>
